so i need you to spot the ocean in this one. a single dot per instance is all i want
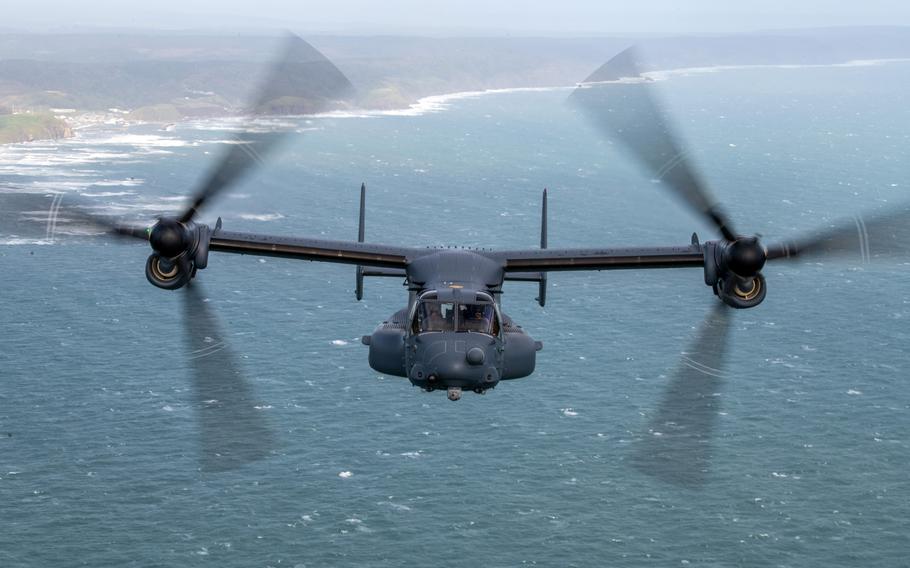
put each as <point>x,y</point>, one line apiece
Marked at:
<point>99,447</point>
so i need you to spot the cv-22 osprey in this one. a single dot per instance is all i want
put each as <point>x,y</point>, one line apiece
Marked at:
<point>453,335</point>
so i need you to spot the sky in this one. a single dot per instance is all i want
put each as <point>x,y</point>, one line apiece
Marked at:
<point>495,17</point>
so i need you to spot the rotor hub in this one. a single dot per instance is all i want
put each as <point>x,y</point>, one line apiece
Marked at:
<point>745,256</point>
<point>169,237</point>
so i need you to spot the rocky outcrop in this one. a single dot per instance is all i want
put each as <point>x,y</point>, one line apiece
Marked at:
<point>29,127</point>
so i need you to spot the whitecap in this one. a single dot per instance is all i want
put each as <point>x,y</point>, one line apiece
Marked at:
<point>261,217</point>
<point>129,182</point>
<point>15,241</point>
<point>140,140</point>
<point>339,342</point>
<point>108,194</point>
<point>345,474</point>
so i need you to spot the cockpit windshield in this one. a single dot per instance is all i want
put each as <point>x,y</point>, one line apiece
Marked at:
<point>475,317</point>
<point>435,315</point>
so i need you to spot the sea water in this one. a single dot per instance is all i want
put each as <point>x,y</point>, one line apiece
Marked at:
<point>99,447</point>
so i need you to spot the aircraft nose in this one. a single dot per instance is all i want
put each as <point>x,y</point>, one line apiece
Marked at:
<point>454,361</point>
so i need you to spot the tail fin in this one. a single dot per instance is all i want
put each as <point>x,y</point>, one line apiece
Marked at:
<point>358,287</point>
<point>542,283</point>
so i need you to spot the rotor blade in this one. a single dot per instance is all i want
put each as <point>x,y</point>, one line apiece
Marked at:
<point>301,81</point>
<point>233,431</point>
<point>676,449</point>
<point>27,212</point>
<point>884,235</point>
<point>75,214</point>
<point>618,100</point>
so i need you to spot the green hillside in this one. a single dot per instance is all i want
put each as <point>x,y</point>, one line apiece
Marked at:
<point>29,127</point>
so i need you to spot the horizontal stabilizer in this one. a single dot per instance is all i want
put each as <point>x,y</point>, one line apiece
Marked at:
<point>385,272</point>
<point>525,276</point>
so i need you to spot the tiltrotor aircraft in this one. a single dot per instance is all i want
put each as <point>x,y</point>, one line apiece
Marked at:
<point>452,334</point>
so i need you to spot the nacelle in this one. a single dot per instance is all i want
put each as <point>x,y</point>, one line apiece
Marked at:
<point>741,293</point>
<point>169,273</point>
<point>733,271</point>
<point>180,250</point>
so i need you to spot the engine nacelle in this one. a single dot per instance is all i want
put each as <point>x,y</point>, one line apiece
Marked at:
<point>180,250</point>
<point>169,273</point>
<point>733,289</point>
<point>741,293</point>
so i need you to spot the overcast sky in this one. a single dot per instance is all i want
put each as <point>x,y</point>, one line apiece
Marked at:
<point>440,17</point>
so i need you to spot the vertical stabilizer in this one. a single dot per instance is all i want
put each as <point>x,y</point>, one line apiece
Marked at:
<point>363,212</point>
<point>358,289</point>
<point>542,283</point>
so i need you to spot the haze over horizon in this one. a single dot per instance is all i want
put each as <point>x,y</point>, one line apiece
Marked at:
<point>508,17</point>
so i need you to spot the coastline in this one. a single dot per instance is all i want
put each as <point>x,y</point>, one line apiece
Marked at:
<point>439,103</point>
<point>77,121</point>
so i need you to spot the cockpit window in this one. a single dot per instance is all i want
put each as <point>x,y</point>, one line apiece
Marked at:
<point>475,317</point>
<point>435,316</point>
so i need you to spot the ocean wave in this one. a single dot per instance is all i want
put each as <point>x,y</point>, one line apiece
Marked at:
<point>139,140</point>
<point>14,169</point>
<point>245,124</point>
<point>17,241</point>
<point>43,186</point>
<point>129,182</point>
<point>108,193</point>
<point>157,206</point>
<point>57,158</point>
<point>261,217</point>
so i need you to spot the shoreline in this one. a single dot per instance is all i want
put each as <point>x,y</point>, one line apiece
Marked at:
<point>430,104</point>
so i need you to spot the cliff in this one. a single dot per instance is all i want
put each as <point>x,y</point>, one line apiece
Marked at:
<point>30,127</point>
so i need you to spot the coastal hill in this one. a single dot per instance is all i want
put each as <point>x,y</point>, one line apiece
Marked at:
<point>166,77</point>
<point>27,127</point>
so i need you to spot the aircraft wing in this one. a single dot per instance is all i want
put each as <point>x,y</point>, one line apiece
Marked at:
<point>343,252</point>
<point>553,259</point>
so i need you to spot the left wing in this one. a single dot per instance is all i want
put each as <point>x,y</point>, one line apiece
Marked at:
<point>343,252</point>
